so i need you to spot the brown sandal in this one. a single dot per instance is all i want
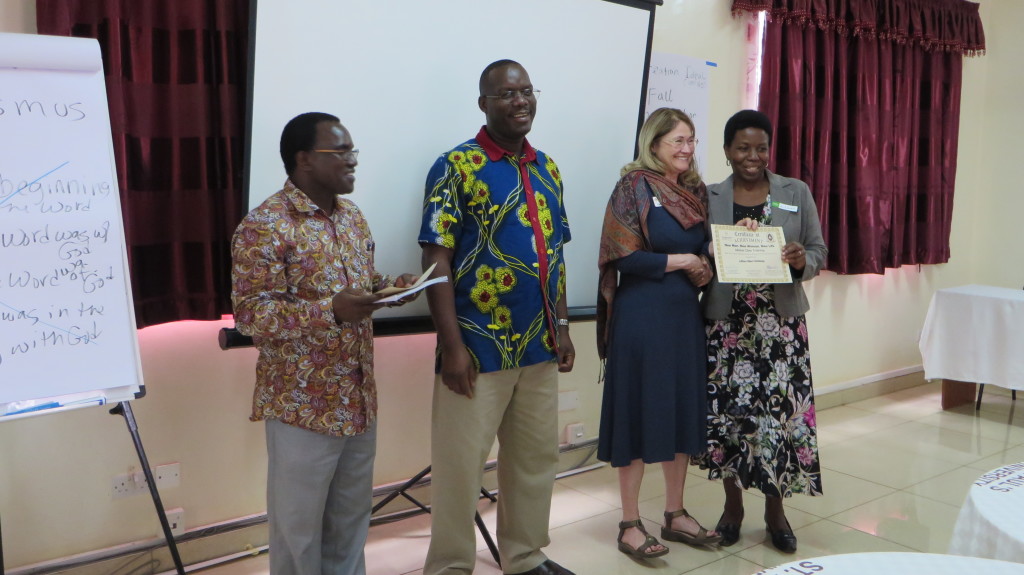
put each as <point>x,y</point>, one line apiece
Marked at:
<point>644,550</point>
<point>680,536</point>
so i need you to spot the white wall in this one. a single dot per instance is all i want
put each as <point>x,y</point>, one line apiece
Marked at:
<point>55,471</point>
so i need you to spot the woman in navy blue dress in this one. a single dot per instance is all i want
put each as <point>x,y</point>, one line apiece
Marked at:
<point>650,328</point>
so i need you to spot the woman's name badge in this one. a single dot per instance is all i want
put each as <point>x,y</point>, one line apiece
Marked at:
<point>657,204</point>
<point>787,207</point>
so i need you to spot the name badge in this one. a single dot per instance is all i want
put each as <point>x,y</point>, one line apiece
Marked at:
<point>787,207</point>
<point>657,204</point>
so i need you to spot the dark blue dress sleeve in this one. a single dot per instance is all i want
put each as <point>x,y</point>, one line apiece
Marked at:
<point>644,264</point>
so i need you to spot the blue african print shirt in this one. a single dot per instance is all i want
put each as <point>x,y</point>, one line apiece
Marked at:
<point>476,204</point>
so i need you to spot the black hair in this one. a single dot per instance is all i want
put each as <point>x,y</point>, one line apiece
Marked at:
<point>747,119</point>
<point>493,66</point>
<point>299,135</point>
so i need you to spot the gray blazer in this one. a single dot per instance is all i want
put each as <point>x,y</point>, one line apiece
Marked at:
<point>802,226</point>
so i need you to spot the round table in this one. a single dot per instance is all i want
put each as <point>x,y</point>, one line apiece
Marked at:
<point>991,520</point>
<point>895,563</point>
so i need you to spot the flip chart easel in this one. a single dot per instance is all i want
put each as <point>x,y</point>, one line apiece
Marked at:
<point>67,326</point>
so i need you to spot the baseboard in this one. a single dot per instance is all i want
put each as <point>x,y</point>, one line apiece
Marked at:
<point>869,386</point>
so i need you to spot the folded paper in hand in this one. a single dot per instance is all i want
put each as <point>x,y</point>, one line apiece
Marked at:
<point>396,293</point>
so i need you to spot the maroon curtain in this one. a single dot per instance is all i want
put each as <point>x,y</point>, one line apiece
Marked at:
<point>865,99</point>
<point>176,80</point>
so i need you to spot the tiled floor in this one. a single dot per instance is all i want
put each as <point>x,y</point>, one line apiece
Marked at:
<point>895,471</point>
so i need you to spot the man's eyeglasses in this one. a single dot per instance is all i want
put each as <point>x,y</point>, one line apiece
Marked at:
<point>350,155</point>
<point>509,95</point>
<point>681,143</point>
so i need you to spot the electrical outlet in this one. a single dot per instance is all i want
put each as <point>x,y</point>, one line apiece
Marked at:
<point>176,519</point>
<point>123,485</point>
<point>575,433</point>
<point>134,482</point>
<point>168,475</point>
<point>128,484</point>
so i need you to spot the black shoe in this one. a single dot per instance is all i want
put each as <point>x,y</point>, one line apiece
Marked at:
<point>548,567</point>
<point>730,532</point>
<point>783,539</point>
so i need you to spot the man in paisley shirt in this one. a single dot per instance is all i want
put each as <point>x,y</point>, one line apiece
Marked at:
<point>303,280</point>
<point>494,223</point>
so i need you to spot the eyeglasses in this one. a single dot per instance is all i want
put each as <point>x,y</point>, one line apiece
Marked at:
<point>350,155</point>
<point>683,142</point>
<point>509,95</point>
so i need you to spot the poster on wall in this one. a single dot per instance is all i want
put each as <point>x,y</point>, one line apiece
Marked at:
<point>677,81</point>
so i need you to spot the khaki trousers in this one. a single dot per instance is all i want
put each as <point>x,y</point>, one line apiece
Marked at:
<point>520,408</point>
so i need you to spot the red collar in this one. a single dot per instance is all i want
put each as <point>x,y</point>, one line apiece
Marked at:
<point>496,152</point>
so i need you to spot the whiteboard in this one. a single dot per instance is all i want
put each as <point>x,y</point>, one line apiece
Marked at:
<point>403,76</point>
<point>67,326</point>
<point>683,82</point>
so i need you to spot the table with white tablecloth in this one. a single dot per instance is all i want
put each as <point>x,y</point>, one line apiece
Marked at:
<point>991,520</point>
<point>975,333</point>
<point>895,564</point>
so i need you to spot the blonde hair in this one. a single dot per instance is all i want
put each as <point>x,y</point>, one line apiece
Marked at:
<point>659,123</point>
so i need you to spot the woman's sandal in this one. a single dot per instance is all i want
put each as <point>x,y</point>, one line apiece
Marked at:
<point>644,550</point>
<point>680,536</point>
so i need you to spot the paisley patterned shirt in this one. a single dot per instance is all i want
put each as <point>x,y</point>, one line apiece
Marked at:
<point>289,259</point>
<point>478,204</point>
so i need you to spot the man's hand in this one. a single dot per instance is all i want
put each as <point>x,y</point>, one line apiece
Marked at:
<point>566,351</point>
<point>457,371</point>
<point>353,305</point>
<point>405,280</point>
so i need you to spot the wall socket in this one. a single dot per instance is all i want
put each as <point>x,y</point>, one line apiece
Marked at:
<point>176,519</point>
<point>575,433</point>
<point>134,482</point>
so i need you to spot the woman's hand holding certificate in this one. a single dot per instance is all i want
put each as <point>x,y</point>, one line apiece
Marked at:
<point>743,255</point>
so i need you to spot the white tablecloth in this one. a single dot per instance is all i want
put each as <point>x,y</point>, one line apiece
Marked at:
<point>991,520</point>
<point>975,333</point>
<point>895,563</point>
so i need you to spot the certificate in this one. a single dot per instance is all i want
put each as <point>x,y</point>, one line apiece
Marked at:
<point>743,256</point>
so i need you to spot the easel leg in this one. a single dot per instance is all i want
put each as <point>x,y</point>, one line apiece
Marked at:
<point>412,482</point>
<point>124,408</point>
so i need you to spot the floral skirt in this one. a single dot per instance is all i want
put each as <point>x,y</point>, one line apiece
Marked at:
<point>761,420</point>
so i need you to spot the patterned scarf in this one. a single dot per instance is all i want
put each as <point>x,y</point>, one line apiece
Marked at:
<point>625,229</point>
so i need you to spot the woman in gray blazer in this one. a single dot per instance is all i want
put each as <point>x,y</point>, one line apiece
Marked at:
<point>761,419</point>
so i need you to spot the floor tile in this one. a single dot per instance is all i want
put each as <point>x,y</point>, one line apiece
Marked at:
<point>732,565</point>
<point>854,421</point>
<point>822,537</point>
<point>912,403</point>
<point>885,461</point>
<point>982,423</point>
<point>841,492</point>
<point>939,442</point>
<point>950,488</point>
<point>1005,457</point>
<point>910,520</point>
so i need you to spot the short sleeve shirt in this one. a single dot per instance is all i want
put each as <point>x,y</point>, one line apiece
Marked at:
<point>477,204</point>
